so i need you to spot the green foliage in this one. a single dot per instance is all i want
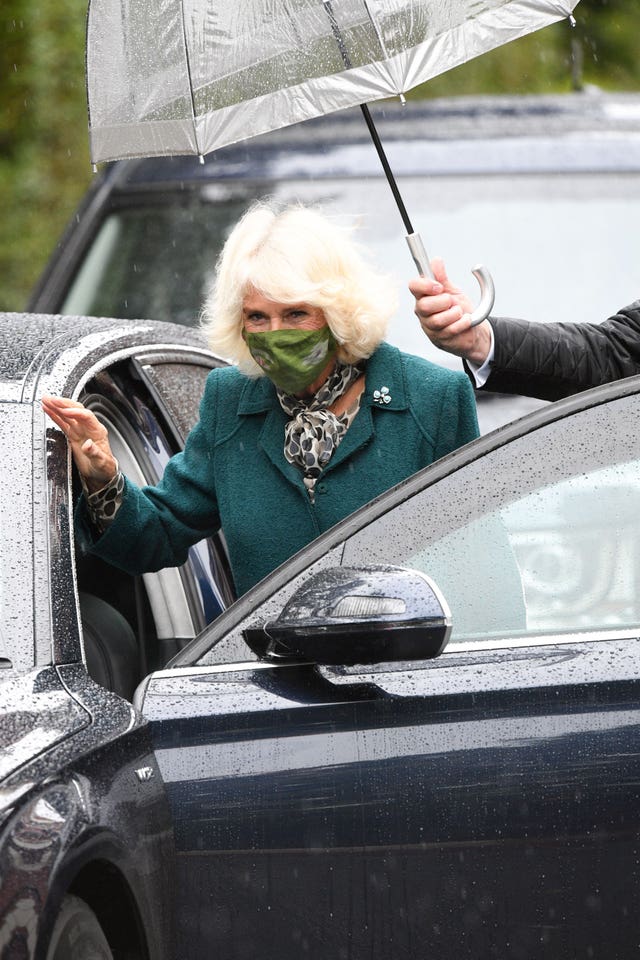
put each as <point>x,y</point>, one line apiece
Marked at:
<point>13,118</point>
<point>608,31</point>
<point>44,161</point>
<point>600,50</point>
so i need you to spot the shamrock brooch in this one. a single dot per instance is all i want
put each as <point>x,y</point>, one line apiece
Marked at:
<point>382,395</point>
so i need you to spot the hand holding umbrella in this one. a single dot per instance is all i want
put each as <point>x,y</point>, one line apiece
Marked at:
<point>445,315</point>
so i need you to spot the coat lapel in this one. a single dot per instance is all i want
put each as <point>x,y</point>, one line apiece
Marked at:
<point>384,369</point>
<point>272,442</point>
<point>259,397</point>
<point>358,435</point>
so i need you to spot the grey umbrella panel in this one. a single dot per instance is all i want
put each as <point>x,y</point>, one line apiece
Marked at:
<point>188,76</point>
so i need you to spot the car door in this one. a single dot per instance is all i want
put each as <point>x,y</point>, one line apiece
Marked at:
<point>149,402</point>
<point>480,804</point>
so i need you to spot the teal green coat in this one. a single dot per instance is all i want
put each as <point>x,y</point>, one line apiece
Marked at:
<point>233,473</point>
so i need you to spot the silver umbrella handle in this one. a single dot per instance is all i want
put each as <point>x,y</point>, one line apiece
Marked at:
<point>482,275</point>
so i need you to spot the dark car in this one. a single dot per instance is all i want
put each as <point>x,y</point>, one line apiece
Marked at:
<point>418,737</point>
<point>542,190</point>
<point>86,837</point>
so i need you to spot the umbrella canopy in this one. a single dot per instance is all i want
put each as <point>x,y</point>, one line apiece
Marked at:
<point>189,76</point>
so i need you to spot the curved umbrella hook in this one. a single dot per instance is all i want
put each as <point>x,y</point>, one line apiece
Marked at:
<point>482,275</point>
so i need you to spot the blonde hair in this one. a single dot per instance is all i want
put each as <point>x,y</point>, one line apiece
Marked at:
<point>296,255</point>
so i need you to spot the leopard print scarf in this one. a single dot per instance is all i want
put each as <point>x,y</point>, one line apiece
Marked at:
<point>314,432</point>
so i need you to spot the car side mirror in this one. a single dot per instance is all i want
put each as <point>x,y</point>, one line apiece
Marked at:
<point>364,615</point>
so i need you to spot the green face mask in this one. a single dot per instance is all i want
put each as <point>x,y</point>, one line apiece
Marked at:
<point>292,359</point>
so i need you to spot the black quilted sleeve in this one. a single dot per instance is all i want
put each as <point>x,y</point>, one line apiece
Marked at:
<point>554,360</point>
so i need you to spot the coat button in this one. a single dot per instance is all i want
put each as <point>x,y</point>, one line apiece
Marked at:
<point>322,487</point>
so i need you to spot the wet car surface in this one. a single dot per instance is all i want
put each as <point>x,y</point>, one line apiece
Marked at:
<point>539,189</point>
<point>418,736</point>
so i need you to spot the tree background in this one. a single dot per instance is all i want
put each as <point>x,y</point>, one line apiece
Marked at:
<point>44,159</point>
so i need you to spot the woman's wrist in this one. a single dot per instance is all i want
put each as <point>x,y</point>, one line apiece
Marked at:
<point>95,484</point>
<point>104,504</point>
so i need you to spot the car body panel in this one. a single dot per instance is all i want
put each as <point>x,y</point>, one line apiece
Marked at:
<point>59,356</point>
<point>79,802</point>
<point>476,805</point>
<point>24,699</point>
<point>41,354</point>
<point>480,801</point>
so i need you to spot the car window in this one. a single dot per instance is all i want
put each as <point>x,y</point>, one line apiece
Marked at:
<point>168,607</point>
<point>157,260</point>
<point>539,537</point>
<point>155,256</point>
<point>537,540</point>
<point>180,386</point>
<point>152,261</point>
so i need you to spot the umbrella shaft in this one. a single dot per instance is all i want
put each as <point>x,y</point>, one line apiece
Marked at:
<point>346,59</point>
<point>387,169</point>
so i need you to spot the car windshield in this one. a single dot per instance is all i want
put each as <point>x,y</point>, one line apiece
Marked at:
<point>541,236</point>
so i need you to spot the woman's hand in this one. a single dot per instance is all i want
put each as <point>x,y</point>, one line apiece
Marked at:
<point>87,438</point>
<point>443,311</point>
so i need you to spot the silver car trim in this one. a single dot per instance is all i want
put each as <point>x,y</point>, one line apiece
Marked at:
<point>563,639</point>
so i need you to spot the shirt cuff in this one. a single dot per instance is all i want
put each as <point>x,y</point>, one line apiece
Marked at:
<point>481,373</point>
<point>105,503</point>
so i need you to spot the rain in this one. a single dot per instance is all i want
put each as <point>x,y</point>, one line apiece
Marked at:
<point>480,804</point>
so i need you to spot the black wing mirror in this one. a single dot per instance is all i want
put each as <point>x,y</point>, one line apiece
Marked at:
<point>358,615</point>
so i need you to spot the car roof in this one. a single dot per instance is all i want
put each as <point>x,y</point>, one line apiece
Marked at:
<point>42,353</point>
<point>443,136</point>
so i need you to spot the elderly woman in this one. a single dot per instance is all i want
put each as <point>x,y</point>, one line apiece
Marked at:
<point>315,418</point>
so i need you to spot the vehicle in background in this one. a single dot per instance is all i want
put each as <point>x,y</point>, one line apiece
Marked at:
<point>540,189</point>
<point>418,737</point>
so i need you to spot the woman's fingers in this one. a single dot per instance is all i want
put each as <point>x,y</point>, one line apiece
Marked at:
<point>63,408</point>
<point>74,418</point>
<point>60,410</point>
<point>57,419</point>
<point>93,451</point>
<point>87,437</point>
<point>61,404</point>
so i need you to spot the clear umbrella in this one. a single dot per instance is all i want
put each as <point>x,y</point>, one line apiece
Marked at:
<point>189,76</point>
